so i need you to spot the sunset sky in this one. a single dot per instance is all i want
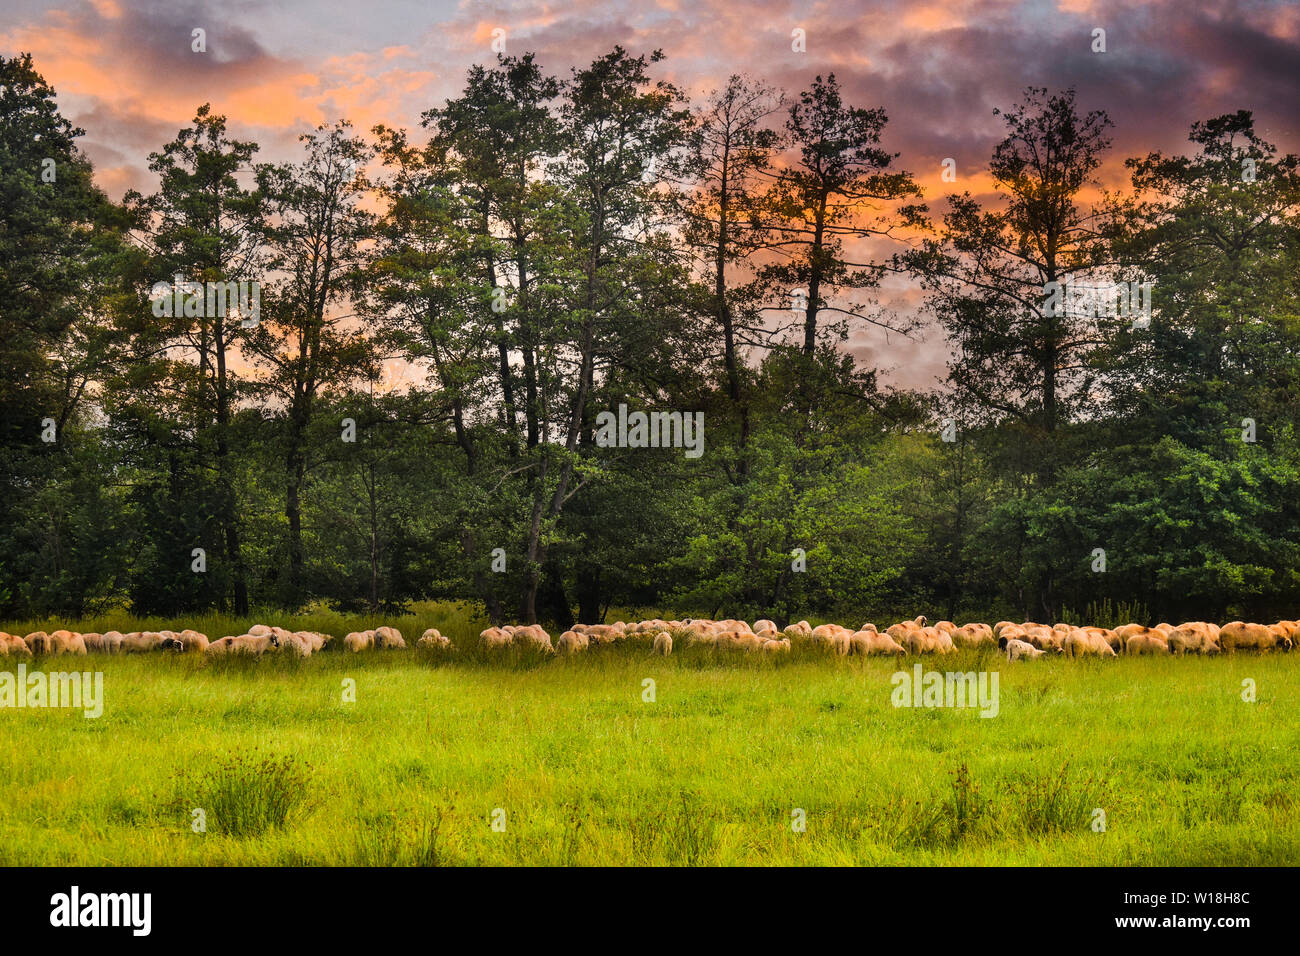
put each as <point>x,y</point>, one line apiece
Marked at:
<point>125,72</point>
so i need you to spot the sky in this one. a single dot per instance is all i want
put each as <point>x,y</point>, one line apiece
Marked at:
<point>126,73</point>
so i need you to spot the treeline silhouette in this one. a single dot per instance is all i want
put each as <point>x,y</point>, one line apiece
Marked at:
<point>407,406</point>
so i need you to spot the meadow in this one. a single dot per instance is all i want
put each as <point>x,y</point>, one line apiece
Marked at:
<point>738,759</point>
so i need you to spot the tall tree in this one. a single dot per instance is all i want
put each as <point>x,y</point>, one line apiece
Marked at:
<point>732,148</point>
<point>315,233</point>
<point>990,269</point>
<point>204,225</point>
<point>826,197</point>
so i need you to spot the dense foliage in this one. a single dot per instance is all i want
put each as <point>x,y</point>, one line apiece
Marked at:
<point>445,314</point>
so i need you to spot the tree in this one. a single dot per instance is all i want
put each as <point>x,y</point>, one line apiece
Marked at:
<point>204,226</point>
<point>314,235</point>
<point>828,197</point>
<point>732,148</point>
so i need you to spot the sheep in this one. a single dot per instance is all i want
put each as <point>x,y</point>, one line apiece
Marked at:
<point>110,642</point>
<point>866,642</point>
<point>252,645</point>
<point>140,642</point>
<point>776,645</point>
<point>192,641</point>
<point>902,629</point>
<point>800,629</point>
<point>766,628</point>
<point>834,637</point>
<point>700,636</point>
<point>12,644</point>
<point>389,638</point>
<point>598,633</point>
<point>60,642</point>
<point>316,640</point>
<point>928,640</point>
<point>1106,634</point>
<point>1040,636</point>
<point>973,635</point>
<point>434,639</point>
<point>292,642</point>
<point>1082,642</point>
<point>359,641</point>
<point>663,643</point>
<point>494,638</point>
<point>1149,642</point>
<point>948,627</point>
<point>1017,649</point>
<point>1254,637</point>
<point>571,642</point>
<point>1195,636</point>
<point>532,636</point>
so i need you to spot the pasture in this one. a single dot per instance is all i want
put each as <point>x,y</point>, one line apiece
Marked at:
<point>576,767</point>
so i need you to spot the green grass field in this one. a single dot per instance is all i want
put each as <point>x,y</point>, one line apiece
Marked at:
<point>710,772</point>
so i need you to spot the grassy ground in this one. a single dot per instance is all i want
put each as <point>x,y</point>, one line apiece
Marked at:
<point>582,770</point>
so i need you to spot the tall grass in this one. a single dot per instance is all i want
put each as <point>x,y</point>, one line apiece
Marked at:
<point>589,773</point>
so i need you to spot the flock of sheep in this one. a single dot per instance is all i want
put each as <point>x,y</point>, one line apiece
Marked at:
<point>1026,640</point>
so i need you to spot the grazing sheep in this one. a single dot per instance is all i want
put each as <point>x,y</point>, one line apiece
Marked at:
<point>766,628</point>
<point>663,643</point>
<point>359,641</point>
<point>571,642</point>
<point>494,638</point>
<point>1125,631</point>
<point>700,636</point>
<point>928,640</point>
<point>1040,636</point>
<point>948,627</point>
<point>293,643</point>
<point>900,631</point>
<point>866,642</point>
<point>316,640</point>
<point>776,645</point>
<point>389,638</point>
<point>110,642</point>
<point>252,645</point>
<point>1082,642</point>
<point>1106,634</point>
<point>61,642</point>
<point>1017,649</point>
<point>260,630</point>
<point>435,639</point>
<point>598,633</point>
<point>973,635</point>
<point>532,636</point>
<point>1252,637</point>
<point>192,641</point>
<point>800,628</point>
<point>13,644</point>
<point>1195,636</point>
<point>140,642</point>
<point>1149,642</point>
